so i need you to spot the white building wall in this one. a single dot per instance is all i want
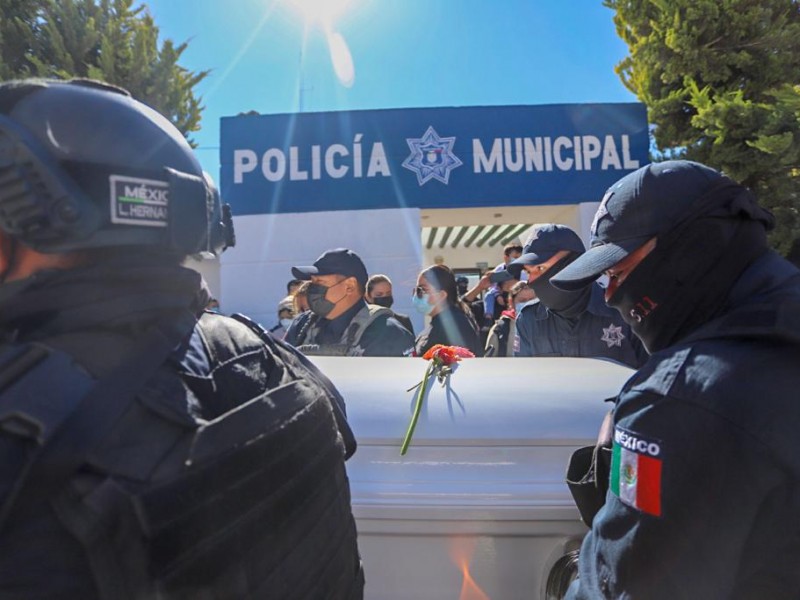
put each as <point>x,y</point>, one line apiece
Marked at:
<point>254,273</point>
<point>210,270</point>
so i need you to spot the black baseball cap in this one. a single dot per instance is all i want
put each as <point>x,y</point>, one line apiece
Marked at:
<point>650,202</point>
<point>339,261</point>
<point>545,241</point>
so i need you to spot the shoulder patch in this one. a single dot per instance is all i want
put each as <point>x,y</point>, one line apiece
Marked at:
<point>636,464</point>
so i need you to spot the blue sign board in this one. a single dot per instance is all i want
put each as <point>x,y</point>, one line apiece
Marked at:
<point>429,157</point>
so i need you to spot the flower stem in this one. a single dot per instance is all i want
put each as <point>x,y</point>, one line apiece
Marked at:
<point>417,408</point>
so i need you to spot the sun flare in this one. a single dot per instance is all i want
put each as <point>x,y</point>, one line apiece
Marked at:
<point>322,12</point>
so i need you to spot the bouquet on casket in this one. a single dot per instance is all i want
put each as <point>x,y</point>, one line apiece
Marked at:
<point>443,362</point>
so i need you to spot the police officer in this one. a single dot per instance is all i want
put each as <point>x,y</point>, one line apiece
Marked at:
<point>705,473</point>
<point>503,340</point>
<point>342,323</point>
<point>148,448</point>
<point>568,323</point>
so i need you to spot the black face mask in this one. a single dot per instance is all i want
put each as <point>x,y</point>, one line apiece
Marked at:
<point>384,301</point>
<point>684,282</point>
<point>567,304</point>
<point>317,302</point>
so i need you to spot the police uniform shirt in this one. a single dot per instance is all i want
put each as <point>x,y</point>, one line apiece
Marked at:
<point>332,330</point>
<point>385,336</point>
<point>704,498</point>
<point>405,321</point>
<point>598,332</point>
<point>450,327</point>
<point>296,326</point>
<point>79,544</point>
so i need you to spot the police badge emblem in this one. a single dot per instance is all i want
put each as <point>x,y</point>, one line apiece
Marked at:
<point>431,157</point>
<point>612,335</point>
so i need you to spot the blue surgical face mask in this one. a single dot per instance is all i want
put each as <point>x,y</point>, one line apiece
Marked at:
<point>422,305</point>
<point>285,323</point>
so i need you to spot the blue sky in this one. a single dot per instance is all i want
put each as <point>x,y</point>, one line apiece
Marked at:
<point>405,53</point>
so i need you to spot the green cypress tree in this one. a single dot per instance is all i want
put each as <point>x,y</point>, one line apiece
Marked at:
<point>109,40</point>
<point>721,81</point>
<point>17,23</point>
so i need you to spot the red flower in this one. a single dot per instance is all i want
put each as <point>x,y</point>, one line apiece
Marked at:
<point>432,351</point>
<point>447,355</point>
<point>443,363</point>
<point>462,352</point>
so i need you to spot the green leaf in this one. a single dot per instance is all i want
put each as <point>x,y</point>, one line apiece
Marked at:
<point>101,39</point>
<point>720,79</point>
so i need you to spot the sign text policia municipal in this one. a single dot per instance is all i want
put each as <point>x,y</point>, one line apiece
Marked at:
<point>429,158</point>
<point>506,154</point>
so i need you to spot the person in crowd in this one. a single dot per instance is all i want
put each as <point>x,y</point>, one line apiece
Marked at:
<point>213,304</point>
<point>511,252</point>
<point>285,318</point>
<point>496,283</point>
<point>462,285</point>
<point>300,299</point>
<point>379,291</point>
<point>471,298</point>
<point>286,305</point>
<point>568,323</point>
<point>292,286</point>
<point>503,340</point>
<point>300,309</point>
<point>705,477</point>
<point>436,296</point>
<point>131,415</point>
<point>495,300</point>
<point>342,323</point>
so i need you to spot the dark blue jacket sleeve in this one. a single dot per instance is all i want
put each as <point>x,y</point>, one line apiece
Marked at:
<point>722,499</point>
<point>387,337</point>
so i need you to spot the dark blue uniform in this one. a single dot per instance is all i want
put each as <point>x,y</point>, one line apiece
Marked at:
<point>451,327</point>
<point>383,336</point>
<point>706,468</point>
<point>599,332</point>
<point>147,513</point>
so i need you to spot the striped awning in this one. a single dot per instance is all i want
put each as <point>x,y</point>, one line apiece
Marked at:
<point>467,236</point>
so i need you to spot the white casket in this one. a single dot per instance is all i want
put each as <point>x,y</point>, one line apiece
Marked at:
<point>478,507</point>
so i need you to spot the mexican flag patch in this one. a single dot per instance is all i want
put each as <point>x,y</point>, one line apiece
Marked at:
<point>636,471</point>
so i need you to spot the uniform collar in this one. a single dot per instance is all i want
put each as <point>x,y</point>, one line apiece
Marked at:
<point>120,295</point>
<point>335,328</point>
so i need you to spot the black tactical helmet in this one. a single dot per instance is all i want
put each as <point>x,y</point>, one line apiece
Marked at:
<point>84,165</point>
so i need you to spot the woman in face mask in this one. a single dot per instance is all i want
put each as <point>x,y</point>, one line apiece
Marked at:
<point>285,316</point>
<point>379,291</point>
<point>436,296</point>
